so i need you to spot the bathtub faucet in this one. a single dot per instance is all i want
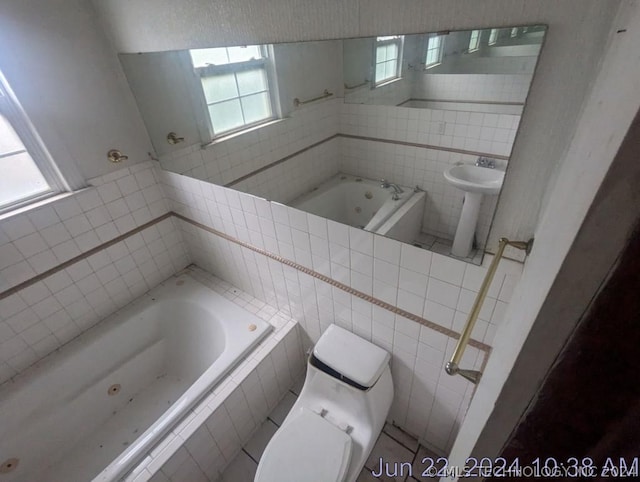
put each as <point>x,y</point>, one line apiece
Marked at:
<point>385,184</point>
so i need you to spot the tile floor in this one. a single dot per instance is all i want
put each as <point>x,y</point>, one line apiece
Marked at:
<point>443,246</point>
<point>393,445</point>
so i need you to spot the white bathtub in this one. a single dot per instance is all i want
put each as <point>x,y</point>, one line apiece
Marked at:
<point>356,201</point>
<point>159,355</point>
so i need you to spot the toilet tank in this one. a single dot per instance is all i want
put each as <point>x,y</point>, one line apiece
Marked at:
<point>353,359</point>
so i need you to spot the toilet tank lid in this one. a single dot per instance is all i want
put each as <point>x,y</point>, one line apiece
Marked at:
<point>351,356</point>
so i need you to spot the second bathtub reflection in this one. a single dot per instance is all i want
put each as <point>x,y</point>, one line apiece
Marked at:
<point>363,203</point>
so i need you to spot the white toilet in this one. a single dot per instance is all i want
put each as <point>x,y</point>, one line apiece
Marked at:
<point>338,416</point>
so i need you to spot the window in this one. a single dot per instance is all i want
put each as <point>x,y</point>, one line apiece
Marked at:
<point>474,41</point>
<point>388,58</point>
<point>514,32</point>
<point>235,83</point>
<point>28,174</point>
<point>434,51</point>
<point>493,36</point>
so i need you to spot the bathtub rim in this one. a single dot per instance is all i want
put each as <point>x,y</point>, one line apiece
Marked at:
<point>179,410</point>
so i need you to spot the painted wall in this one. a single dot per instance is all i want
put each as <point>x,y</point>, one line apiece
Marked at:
<point>66,75</point>
<point>571,54</point>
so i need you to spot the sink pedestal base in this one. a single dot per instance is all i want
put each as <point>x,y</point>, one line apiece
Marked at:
<point>463,240</point>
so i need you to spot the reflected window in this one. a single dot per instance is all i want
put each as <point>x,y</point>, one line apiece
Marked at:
<point>493,36</point>
<point>235,82</point>
<point>474,40</point>
<point>28,174</point>
<point>434,51</point>
<point>388,64</point>
<point>514,32</point>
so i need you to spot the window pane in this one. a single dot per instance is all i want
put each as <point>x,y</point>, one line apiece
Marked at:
<point>219,87</point>
<point>20,178</point>
<point>242,54</point>
<point>204,57</point>
<point>381,54</point>
<point>256,107</point>
<point>9,140</point>
<point>252,81</point>
<point>226,116</point>
<point>391,69</point>
<point>379,72</point>
<point>392,51</point>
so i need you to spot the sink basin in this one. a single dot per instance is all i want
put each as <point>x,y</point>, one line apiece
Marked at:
<point>475,179</point>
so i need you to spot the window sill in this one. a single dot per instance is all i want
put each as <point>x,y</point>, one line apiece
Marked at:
<point>388,82</point>
<point>37,204</point>
<point>222,139</point>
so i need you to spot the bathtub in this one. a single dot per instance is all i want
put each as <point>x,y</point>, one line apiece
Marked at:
<point>356,201</point>
<point>95,407</point>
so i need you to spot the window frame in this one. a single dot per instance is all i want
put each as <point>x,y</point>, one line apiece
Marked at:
<point>493,36</point>
<point>264,63</point>
<point>12,111</point>
<point>399,41</point>
<point>476,46</point>
<point>440,49</point>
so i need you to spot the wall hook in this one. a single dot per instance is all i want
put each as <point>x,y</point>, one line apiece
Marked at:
<point>172,138</point>
<point>115,156</point>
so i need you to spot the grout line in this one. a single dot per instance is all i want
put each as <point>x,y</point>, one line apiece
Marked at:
<point>400,443</point>
<point>394,309</point>
<point>80,257</point>
<point>273,421</point>
<point>249,455</point>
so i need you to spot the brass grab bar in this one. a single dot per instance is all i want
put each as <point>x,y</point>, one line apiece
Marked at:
<point>451,366</point>
<point>297,102</point>
<point>351,87</point>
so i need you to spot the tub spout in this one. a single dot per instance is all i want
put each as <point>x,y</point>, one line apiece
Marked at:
<point>397,189</point>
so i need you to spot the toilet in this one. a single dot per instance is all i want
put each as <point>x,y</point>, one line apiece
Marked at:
<point>332,427</point>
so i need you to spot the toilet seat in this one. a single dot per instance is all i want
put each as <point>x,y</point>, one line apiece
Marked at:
<point>308,448</point>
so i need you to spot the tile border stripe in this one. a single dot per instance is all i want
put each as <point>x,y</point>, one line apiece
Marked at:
<point>81,256</point>
<point>394,309</point>
<point>279,161</point>
<point>455,101</point>
<point>426,146</point>
<point>364,138</point>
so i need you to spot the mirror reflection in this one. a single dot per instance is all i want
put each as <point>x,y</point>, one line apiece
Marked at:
<point>406,136</point>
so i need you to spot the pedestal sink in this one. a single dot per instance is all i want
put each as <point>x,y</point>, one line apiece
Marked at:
<point>474,181</point>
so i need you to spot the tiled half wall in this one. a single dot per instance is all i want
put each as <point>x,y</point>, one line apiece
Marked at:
<point>74,261</point>
<point>408,146</point>
<point>407,300</point>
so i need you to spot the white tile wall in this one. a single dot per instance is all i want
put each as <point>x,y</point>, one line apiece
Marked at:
<point>475,131</point>
<point>428,403</point>
<point>212,434</point>
<point>490,87</point>
<point>42,317</point>
<point>290,179</point>
<point>390,94</point>
<point>236,156</point>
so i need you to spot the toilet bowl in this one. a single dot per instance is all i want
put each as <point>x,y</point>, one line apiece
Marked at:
<point>332,427</point>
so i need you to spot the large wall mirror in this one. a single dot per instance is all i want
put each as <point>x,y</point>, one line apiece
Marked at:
<point>406,136</point>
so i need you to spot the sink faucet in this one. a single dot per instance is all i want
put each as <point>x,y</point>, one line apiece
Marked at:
<point>486,162</point>
<point>385,184</point>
